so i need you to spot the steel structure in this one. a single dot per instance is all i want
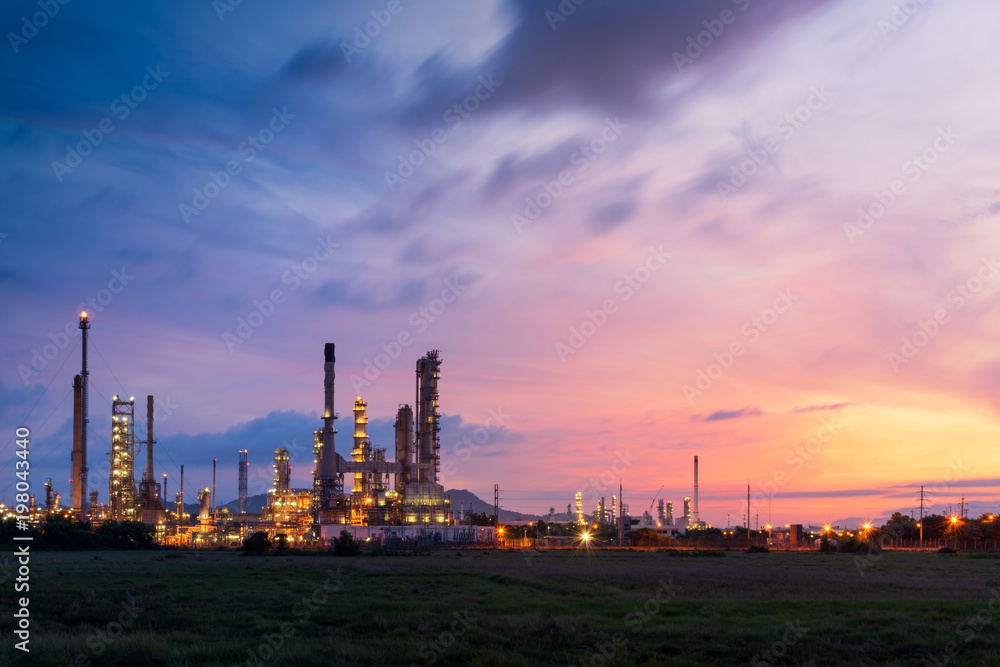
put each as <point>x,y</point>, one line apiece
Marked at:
<point>121,480</point>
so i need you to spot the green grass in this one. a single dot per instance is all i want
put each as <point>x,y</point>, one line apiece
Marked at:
<point>509,608</point>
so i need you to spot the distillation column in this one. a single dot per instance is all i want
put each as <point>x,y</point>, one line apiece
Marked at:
<point>404,446</point>
<point>362,448</point>
<point>282,471</point>
<point>244,465</point>
<point>121,481</point>
<point>428,426</point>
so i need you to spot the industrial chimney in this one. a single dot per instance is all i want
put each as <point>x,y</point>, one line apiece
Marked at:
<point>328,455</point>
<point>149,440</point>
<point>694,508</point>
<point>79,460</point>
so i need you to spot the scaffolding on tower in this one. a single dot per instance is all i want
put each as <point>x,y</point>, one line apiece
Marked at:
<point>121,482</point>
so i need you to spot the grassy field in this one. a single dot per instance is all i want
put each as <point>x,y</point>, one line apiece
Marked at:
<point>510,608</point>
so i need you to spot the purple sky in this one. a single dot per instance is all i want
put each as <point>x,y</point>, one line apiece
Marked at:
<point>762,232</point>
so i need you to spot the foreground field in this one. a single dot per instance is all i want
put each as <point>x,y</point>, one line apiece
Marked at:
<point>510,608</point>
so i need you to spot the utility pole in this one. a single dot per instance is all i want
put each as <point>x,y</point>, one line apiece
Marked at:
<point>621,527</point>
<point>921,516</point>
<point>496,515</point>
<point>748,513</point>
<point>923,501</point>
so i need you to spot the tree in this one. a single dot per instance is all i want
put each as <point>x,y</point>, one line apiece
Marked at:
<point>481,519</point>
<point>902,526</point>
<point>645,537</point>
<point>257,543</point>
<point>281,541</point>
<point>345,545</point>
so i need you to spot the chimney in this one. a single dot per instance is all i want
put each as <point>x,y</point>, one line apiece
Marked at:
<point>149,440</point>
<point>78,492</point>
<point>328,461</point>
<point>694,508</point>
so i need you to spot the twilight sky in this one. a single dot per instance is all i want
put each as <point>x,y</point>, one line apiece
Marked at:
<point>759,231</point>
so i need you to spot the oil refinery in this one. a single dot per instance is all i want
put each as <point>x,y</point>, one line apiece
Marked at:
<point>376,495</point>
<point>390,496</point>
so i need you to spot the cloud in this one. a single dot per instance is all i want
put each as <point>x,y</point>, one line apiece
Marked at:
<point>720,415</point>
<point>611,56</point>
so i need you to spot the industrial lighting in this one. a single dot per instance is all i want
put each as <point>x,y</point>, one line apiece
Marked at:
<point>83,315</point>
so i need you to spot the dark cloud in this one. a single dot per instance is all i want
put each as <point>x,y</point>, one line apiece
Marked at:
<point>611,56</point>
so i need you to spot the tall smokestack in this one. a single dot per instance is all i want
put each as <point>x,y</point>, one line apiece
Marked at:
<point>85,376</point>
<point>79,491</point>
<point>213,486</point>
<point>149,441</point>
<point>328,462</point>
<point>694,508</point>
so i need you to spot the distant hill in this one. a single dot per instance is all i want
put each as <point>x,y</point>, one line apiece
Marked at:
<point>473,503</point>
<point>255,504</point>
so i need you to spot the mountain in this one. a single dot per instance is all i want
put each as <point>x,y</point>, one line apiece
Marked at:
<point>473,503</point>
<point>255,504</point>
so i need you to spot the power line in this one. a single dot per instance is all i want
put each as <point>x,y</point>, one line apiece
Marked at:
<point>45,391</point>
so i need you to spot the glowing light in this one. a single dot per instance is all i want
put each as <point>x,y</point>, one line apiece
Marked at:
<point>83,315</point>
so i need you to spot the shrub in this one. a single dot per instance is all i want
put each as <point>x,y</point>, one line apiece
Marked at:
<point>345,545</point>
<point>256,544</point>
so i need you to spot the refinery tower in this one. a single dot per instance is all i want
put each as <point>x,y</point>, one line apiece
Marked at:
<point>387,492</point>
